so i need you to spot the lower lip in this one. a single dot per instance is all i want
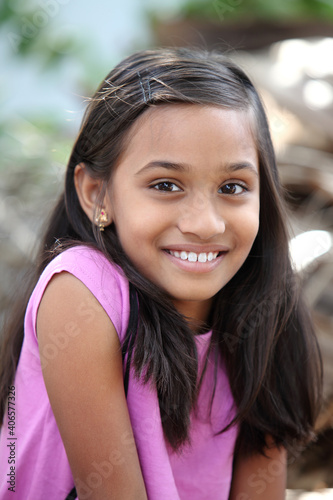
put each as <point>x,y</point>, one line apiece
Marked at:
<point>196,267</point>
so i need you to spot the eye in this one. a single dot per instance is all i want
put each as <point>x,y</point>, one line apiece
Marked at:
<point>166,186</point>
<point>232,188</point>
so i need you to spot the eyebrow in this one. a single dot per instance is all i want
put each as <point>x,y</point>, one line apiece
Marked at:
<point>169,165</point>
<point>182,167</point>
<point>243,165</point>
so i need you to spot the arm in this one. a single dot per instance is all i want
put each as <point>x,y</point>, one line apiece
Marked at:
<point>84,382</point>
<point>260,478</point>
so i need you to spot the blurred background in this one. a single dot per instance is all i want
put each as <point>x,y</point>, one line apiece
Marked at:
<point>53,55</point>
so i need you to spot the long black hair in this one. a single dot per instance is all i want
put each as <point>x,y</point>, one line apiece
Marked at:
<point>261,328</point>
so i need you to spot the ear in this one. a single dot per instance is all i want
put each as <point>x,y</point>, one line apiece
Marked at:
<point>88,190</point>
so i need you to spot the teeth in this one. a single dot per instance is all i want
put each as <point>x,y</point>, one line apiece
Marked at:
<point>194,257</point>
<point>202,257</point>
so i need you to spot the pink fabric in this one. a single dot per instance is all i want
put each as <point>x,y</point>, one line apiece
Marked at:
<point>201,472</point>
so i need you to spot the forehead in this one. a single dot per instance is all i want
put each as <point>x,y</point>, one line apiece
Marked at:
<point>191,130</point>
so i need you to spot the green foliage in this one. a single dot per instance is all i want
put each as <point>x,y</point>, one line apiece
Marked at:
<point>221,10</point>
<point>32,28</point>
<point>35,153</point>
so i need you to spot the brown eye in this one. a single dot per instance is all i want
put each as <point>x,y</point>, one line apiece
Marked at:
<point>232,188</point>
<point>166,186</point>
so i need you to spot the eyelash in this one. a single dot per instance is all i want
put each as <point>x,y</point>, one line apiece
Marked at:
<point>170,184</point>
<point>237,184</point>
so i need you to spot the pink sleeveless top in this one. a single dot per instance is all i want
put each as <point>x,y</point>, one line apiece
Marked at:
<point>33,460</point>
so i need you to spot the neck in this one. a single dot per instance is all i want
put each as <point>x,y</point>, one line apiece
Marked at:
<point>196,314</point>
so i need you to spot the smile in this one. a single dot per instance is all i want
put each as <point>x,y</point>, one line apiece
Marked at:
<point>195,257</point>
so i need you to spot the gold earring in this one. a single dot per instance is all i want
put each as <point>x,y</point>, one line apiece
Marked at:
<point>102,219</point>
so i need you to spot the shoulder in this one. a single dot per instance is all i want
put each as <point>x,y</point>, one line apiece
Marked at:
<point>87,263</point>
<point>68,308</point>
<point>103,281</point>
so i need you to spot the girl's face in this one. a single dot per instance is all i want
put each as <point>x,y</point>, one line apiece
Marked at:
<point>184,199</point>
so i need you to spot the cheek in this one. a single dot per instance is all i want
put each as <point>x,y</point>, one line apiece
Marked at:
<point>253,226</point>
<point>247,230</point>
<point>135,234</point>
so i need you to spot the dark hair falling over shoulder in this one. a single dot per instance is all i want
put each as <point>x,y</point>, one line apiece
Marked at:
<point>260,325</point>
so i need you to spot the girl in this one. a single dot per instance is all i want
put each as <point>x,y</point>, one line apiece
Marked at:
<point>166,352</point>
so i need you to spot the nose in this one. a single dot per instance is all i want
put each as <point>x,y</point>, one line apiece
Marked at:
<point>200,217</point>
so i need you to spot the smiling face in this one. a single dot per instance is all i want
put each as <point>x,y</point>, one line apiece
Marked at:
<point>184,199</point>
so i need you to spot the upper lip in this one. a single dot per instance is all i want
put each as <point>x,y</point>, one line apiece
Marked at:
<point>196,248</point>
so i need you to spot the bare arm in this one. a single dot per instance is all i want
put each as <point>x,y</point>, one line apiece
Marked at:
<point>260,478</point>
<point>84,381</point>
